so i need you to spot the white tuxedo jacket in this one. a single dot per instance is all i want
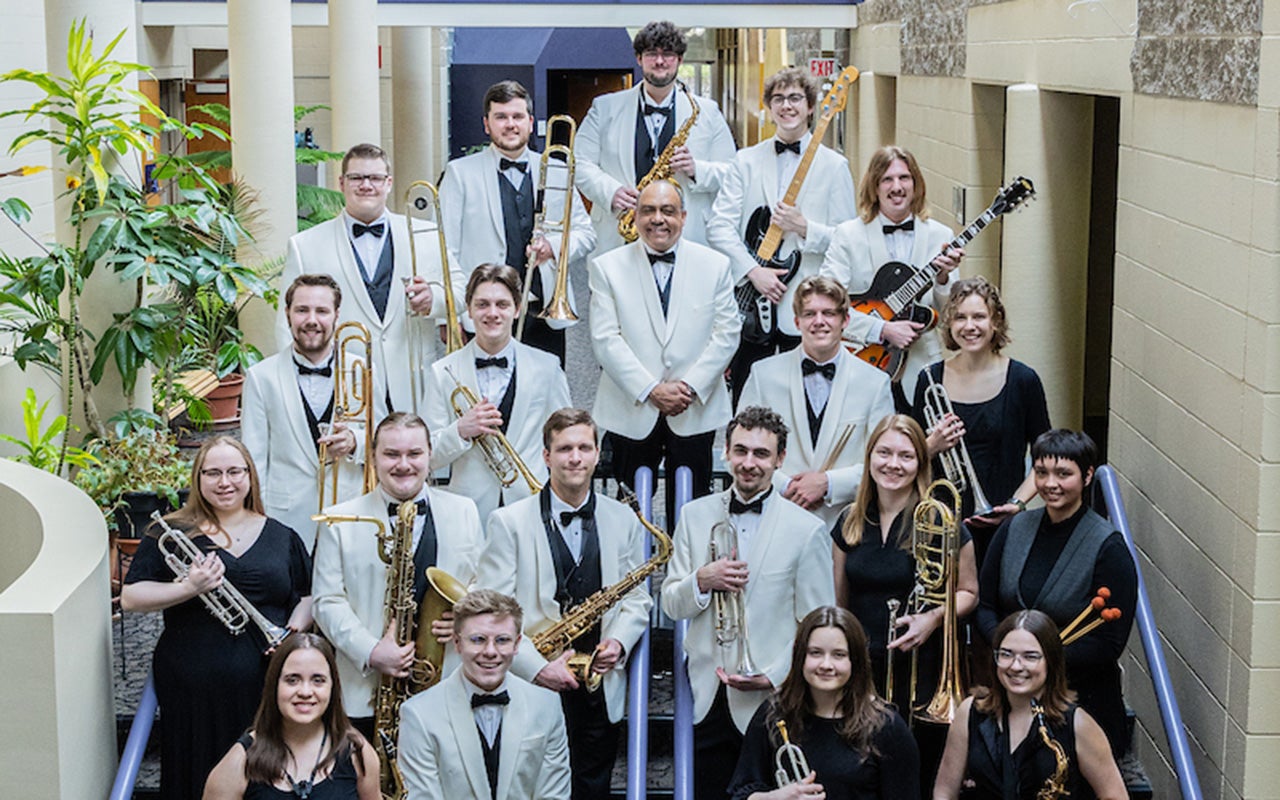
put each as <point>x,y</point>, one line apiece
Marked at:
<point>440,754</point>
<point>349,582</point>
<point>638,347</point>
<point>273,426</point>
<point>606,154</point>
<point>471,206</point>
<point>541,388</point>
<point>860,397</point>
<point>789,561</point>
<point>517,561</point>
<point>327,249</point>
<point>826,199</point>
<point>857,250</point>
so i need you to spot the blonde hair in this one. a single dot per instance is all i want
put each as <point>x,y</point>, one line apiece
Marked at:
<point>855,519</point>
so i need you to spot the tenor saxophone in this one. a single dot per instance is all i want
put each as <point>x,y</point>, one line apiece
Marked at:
<point>661,169</point>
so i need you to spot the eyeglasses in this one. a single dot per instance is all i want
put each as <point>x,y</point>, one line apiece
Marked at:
<point>357,178</point>
<point>232,473</point>
<point>502,641</point>
<point>666,55</point>
<point>791,99</point>
<point>1029,659</point>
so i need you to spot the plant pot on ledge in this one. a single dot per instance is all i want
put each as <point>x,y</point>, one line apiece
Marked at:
<point>224,401</point>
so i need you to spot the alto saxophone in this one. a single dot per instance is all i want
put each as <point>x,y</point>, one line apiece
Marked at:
<point>560,636</point>
<point>661,169</point>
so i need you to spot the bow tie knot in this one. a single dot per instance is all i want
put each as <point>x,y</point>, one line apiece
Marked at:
<point>506,164</point>
<point>500,362</point>
<point>585,513</point>
<point>780,147</point>
<point>909,225</point>
<point>756,506</point>
<point>669,257</point>
<point>663,110</point>
<point>808,367</point>
<point>499,699</point>
<point>360,229</point>
<point>393,509</point>
<point>325,372</point>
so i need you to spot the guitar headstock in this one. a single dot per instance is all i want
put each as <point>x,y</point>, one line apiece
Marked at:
<point>1019,191</point>
<point>836,99</point>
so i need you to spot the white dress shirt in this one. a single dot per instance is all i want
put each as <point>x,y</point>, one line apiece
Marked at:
<point>493,381</point>
<point>656,122</point>
<point>489,716</point>
<point>368,247</point>
<point>788,163</point>
<point>900,242</point>
<point>571,533</point>
<point>317,390</point>
<point>817,388</point>
<point>418,519</point>
<point>514,175</point>
<point>747,525</point>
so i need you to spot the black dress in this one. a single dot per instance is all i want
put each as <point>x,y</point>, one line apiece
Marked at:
<point>208,681</point>
<point>891,773</point>
<point>342,782</point>
<point>990,764</point>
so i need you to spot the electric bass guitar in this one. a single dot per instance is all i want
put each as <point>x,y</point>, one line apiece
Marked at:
<point>763,236</point>
<point>897,287</point>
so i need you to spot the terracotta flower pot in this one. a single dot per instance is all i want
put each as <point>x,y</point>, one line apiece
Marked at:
<point>224,401</point>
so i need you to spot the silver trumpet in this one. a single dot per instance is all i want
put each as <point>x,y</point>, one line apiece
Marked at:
<point>791,765</point>
<point>729,608</point>
<point>224,601</point>
<point>956,463</point>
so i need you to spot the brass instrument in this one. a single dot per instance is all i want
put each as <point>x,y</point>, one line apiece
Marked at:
<point>420,196</point>
<point>557,307</point>
<point>224,601</point>
<point>661,170</point>
<point>935,544</point>
<point>892,604</point>
<point>728,607</point>
<point>499,455</point>
<point>956,463</point>
<point>352,402</point>
<point>791,765</point>
<point>560,635</point>
<point>1055,786</point>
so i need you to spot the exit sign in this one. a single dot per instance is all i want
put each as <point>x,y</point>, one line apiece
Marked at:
<point>822,67</point>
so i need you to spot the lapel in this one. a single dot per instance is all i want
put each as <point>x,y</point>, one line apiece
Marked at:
<point>526,377</point>
<point>875,239</point>
<point>770,173</point>
<point>610,557</point>
<point>462,723</point>
<point>492,197</point>
<point>401,268</point>
<point>348,266</point>
<point>647,288</point>
<point>831,418</point>
<point>544,564</point>
<point>681,282</point>
<point>800,407</point>
<point>624,131</point>
<point>765,536</point>
<point>514,723</point>
<point>286,376</point>
<point>464,366</point>
<point>920,244</point>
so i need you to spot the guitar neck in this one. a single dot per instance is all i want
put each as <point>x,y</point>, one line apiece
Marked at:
<point>773,237</point>
<point>915,286</point>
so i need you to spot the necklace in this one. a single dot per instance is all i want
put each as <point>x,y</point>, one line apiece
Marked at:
<point>302,789</point>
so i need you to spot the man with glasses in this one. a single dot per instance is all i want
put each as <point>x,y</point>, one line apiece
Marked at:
<point>482,733</point>
<point>625,132</point>
<point>756,183</point>
<point>366,251</point>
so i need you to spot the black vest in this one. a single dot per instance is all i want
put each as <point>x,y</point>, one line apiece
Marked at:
<point>491,757</point>
<point>379,288</point>
<point>815,420</point>
<point>425,556</point>
<point>517,222</point>
<point>508,399</point>
<point>575,582</point>
<point>313,424</point>
<point>646,154</point>
<point>1069,585</point>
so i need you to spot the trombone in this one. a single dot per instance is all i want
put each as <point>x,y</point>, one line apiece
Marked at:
<point>935,544</point>
<point>352,401</point>
<point>956,463</point>
<point>497,451</point>
<point>729,608</point>
<point>418,198</point>
<point>557,307</point>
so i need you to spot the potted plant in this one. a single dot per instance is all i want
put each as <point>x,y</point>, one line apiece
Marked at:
<point>132,476</point>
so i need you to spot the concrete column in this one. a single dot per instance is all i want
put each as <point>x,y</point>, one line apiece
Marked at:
<point>353,76</point>
<point>260,56</point>
<point>414,102</point>
<point>1049,138</point>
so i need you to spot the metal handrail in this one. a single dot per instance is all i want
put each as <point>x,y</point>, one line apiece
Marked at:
<point>136,744</point>
<point>1188,780</point>
<point>682,733</point>
<point>638,678</point>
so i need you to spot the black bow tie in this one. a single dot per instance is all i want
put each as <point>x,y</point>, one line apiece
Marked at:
<point>500,362</point>
<point>782,147</point>
<point>756,506</point>
<point>506,164</point>
<point>586,513</point>
<point>669,257</point>
<point>663,110</point>
<point>909,225</point>
<point>393,509</point>
<point>808,366</point>
<point>360,229</point>
<point>325,372</point>
<point>499,699</point>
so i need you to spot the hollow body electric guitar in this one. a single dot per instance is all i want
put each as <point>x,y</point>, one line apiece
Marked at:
<point>763,236</point>
<point>897,288</point>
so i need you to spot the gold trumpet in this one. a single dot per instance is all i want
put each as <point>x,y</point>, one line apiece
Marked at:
<point>418,198</point>
<point>353,402</point>
<point>557,307</point>
<point>935,543</point>
<point>729,608</point>
<point>789,761</point>
<point>956,464</point>
<point>661,169</point>
<point>499,455</point>
<point>224,601</point>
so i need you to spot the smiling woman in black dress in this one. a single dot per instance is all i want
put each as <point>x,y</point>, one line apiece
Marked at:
<point>208,680</point>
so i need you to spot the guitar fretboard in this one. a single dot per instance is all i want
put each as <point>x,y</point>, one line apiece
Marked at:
<point>915,286</point>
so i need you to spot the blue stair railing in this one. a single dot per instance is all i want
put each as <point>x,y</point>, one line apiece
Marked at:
<point>682,733</point>
<point>1179,747</point>
<point>136,744</point>
<point>638,678</point>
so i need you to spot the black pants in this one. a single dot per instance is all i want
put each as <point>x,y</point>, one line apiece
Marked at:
<point>717,744</point>
<point>593,742</point>
<point>537,333</point>
<point>748,354</point>
<point>693,452</point>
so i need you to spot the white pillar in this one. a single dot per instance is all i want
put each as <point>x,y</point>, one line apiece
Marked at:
<point>260,55</point>
<point>875,118</point>
<point>1044,249</point>
<point>414,93</point>
<point>353,75</point>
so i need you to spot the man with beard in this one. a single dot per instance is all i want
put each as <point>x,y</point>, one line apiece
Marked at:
<point>287,411</point>
<point>664,325</point>
<point>779,571</point>
<point>487,203</point>
<point>625,132</point>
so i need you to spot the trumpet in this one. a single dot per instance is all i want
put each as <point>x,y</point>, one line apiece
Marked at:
<point>935,543</point>
<point>790,763</point>
<point>956,463</point>
<point>499,455</point>
<point>224,601</point>
<point>661,170</point>
<point>557,307</point>
<point>353,400</point>
<point>729,608</point>
<point>420,196</point>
